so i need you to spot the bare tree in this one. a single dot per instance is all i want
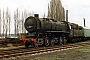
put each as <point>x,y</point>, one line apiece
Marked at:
<point>19,19</point>
<point>63,14</point>
<point>0,22</point>
<point>25,15</point>
<point>3,23</point>
<point>55,10</point>
<point>16,21</point>
<point>22,22</point>
<point>7,23</point>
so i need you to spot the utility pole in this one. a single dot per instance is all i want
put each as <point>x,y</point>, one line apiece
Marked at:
<point>84,22</point>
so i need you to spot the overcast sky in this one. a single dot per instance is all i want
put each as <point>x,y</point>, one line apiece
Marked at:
<point>78,9</point>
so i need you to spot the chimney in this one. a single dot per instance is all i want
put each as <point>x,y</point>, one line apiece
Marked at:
<point>67,15</point>
<point>84,22</point>
<point>36,15</point>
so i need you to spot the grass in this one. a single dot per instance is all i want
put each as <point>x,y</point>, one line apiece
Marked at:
<point>82,53</point>
<point>14,47</point>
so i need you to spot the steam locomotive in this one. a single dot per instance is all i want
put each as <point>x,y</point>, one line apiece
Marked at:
<point>44,31</point>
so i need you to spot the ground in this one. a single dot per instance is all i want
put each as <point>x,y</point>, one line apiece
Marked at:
<point>82,53</point>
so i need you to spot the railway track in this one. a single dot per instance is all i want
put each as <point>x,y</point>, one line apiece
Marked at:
<point>7,43</point>
<point>14,53</point>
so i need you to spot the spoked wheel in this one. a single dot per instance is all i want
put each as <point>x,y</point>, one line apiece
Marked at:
<point>52,42</point>
<point>61,40</point>
<point>35,45</point>
<point>73,40</point>
<point>64,40</point>
<point>27,44</point>
<point>46,42</point>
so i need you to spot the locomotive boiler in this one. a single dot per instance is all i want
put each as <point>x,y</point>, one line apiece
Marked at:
<point>33,24</point>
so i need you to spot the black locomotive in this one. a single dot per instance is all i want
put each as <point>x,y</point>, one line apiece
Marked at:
<point>44,31</point>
